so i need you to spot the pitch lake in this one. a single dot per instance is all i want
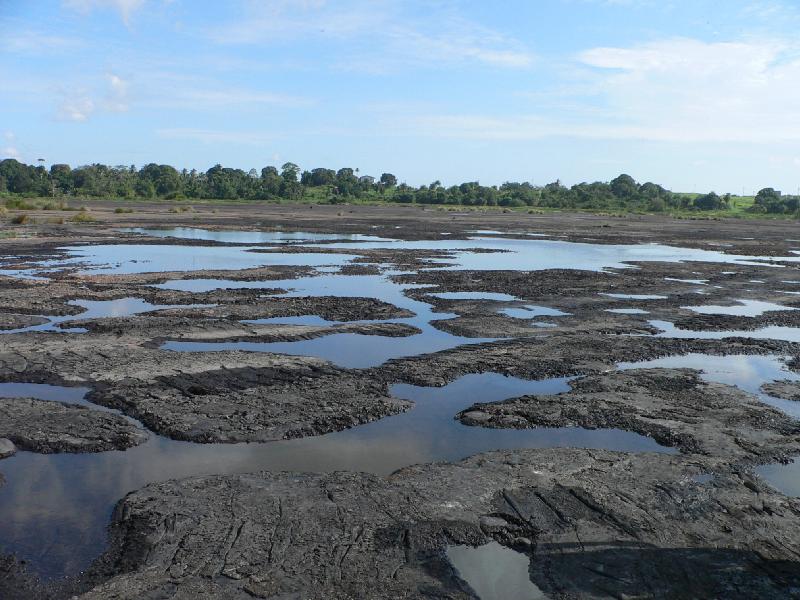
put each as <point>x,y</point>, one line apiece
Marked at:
<point>54,509</point>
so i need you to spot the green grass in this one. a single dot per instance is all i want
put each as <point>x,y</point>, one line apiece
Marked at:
<point>317,196</point>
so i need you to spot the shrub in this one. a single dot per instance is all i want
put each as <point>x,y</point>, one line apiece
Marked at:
<point>83,217</point>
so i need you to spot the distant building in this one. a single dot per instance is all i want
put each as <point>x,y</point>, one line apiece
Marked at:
<point>368,179</point>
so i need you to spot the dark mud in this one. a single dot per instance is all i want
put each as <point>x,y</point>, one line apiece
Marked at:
<point>12,321</point>
<point>674,407</point>
<point>50,427</point>
<point>204,397</point>
<point>788,390</point>
<point>228,404</point>
<point>633,524</point>
<point>561,356</point>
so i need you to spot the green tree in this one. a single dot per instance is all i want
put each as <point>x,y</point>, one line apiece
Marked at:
<point>768,200</point>
<point>290,171</point>
<point>710,201</point>
<point>388,180</point>
<point>624,187</point>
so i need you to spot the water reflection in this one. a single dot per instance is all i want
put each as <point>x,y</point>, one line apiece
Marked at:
<point>349,350</point>
<point>538,254</point>
<point>494,572</point>
<point>100,309</point>
<point>742,308</point>
<point>253,237</point>
<point>771,332</point>
<point>138,258</point>
<point>530,311</point>
<point>517,254</point>
<point>636,296</point>
<point>474,296</point>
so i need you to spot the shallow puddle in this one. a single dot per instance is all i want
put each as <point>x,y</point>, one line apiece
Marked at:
<point>43,391</point>
<point>56,507</point>
<point>628,311</point>
<point>636,296</point>
<point>139,258</point>
<point>538,254</point>
<point>748,373</point>
<point>253,237</point>
<point>474,296</point>
<point>742,308</point>
<point>692,281</point>
<point>495,572</point>
<point>100,309</point>
<point>349,350</point>
<point>771,332</point>
<point>530,311</point>
<point>785,478</point>
<point>495,253</point>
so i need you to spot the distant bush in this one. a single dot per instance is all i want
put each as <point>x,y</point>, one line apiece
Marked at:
<point>123,209</point>
<point>771,201</point>
<point>20,219</point>
<point>83,217</point>
<point>20,204</point>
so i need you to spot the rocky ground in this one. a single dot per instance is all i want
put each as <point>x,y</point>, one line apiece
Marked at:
<point>592,523</point>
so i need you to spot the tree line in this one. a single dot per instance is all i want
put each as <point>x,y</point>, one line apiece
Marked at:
<point>290,183</point>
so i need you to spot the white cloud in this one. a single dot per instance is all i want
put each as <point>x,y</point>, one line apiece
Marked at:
<point>688,90</point>
<point>126,8</point>
<point>117,96</point>
<point>676,90</point>
<point>76,108</point>
<point>81,104</point>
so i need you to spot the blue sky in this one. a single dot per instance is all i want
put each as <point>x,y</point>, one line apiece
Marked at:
<point>696,95</point>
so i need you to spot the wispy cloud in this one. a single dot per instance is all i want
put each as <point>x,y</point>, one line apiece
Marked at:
<point>126,8</point>
<point>30,41</point>
<point>772,11</point>
<point>208,96</point>
<point>385,36</point>
<point>209,136</point>
<point>9,149</point>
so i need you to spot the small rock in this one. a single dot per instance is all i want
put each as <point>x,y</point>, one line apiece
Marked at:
<point>489,524</point>
<point>7,448</point>
<point>476,416</point>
